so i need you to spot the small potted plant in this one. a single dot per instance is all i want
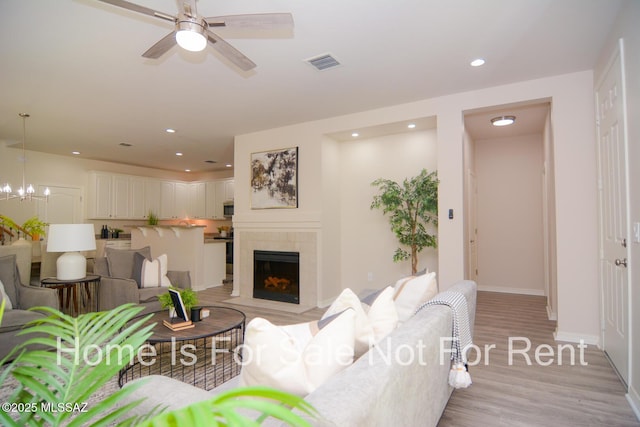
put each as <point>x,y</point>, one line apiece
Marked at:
<point>115,232</point>
<point>189,299</point>
<point>34,228</point>
<point>152,218</point>
<point>223,230</point>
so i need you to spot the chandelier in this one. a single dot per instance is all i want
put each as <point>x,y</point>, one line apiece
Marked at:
<point>25,192</point>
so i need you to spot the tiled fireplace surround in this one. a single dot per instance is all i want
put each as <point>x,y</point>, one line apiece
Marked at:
<point>304,242</point>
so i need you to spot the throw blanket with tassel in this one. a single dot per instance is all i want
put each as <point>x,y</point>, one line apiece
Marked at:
<point>461,338</point>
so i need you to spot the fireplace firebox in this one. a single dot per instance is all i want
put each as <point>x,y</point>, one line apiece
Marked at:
<point>276,276</point>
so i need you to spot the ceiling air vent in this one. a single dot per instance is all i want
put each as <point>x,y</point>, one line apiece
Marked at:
<point>323,62</point>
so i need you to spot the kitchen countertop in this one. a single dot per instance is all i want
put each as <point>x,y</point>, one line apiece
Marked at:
<point>168,226</point>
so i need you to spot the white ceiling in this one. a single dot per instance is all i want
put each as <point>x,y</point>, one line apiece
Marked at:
<point>76,67</point>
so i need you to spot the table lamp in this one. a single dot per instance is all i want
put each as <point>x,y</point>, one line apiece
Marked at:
<point>71,238</point>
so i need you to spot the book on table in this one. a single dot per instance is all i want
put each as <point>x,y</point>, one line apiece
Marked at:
<point>178,325</point>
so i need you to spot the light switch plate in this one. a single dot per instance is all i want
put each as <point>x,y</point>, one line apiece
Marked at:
<point>636,232</point>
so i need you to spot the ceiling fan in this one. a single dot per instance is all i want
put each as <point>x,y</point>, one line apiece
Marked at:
<point>192,31</point>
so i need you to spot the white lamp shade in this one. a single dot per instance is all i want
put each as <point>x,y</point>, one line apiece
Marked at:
<point>71,238</point>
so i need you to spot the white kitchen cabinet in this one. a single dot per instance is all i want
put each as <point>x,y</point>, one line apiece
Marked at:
<point>197,200</point>
<point>214,199</point>
<point>115,196</point>
<point>229,190</point>
<point>174,199</point>
<point>152,195</point>
<point>182,200</point>
<point>120,199</point>
<point>167,200</point>
<point>217,193</point>
<point>210,200</point>
<point>99,195</point>
<point>137,201</point>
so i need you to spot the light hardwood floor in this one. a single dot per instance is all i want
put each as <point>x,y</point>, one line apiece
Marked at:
<point>518,394</point>
<point>532,395</point>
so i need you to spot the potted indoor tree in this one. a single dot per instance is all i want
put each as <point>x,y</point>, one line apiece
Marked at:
<point>412,207</point>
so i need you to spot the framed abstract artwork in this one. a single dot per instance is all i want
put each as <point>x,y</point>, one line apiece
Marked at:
<point>274,179</point>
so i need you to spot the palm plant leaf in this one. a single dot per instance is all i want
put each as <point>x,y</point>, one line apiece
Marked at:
<point>222,410</point>
<point>84,353</point>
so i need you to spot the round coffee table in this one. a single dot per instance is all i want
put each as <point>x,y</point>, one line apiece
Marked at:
<point>206,355</point>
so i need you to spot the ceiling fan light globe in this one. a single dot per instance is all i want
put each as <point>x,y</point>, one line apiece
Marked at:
<point>191,40</point>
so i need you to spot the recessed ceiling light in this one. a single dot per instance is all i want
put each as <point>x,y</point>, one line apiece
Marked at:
<point>228,165</point>
<point>187,170</point>
<point>503,120</point>
<point>169,130</point>
<point>75,152</point>
<point>477,62</point>
<point>355,134</point>
<point>411,125</point>
<point>178,154</point>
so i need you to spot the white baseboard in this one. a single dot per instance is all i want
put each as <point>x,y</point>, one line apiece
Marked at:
<point>634,400</point>
<point>507,290</point>
<point>551,315</point>
<point>577,338</point>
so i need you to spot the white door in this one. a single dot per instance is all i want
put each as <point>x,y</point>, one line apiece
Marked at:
<point>64,206</point>
<point>612,159</point>
<point>472,195</point>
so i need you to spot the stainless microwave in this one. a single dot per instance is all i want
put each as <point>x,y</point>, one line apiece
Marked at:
<point>227,209</point>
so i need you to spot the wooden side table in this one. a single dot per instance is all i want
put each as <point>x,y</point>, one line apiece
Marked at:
<point>81,294</point>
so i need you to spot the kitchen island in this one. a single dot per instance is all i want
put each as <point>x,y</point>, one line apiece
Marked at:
<point>186,250</point>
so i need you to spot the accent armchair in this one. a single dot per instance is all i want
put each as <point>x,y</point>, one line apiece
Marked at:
<point>120,280</point>
<point>15,270</point>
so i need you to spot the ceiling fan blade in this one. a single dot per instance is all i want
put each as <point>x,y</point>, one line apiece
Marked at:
<point>140,9</point>
<point>258,21</point>
<point>160,48</point>
<point>230,52</point>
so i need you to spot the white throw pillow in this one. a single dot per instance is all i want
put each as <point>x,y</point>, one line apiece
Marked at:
<point>411,292</point>
<point>154,273</point>
<point>372,322</point>
<point>279,357</point>
<point>382,313</point>
<point>5,297</point>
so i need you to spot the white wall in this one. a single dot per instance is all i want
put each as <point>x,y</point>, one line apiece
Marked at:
<point>549,222</point>
<point>367,242</point>
<point>627,27</point>
<point>510,234</point>
<point>575,168</point>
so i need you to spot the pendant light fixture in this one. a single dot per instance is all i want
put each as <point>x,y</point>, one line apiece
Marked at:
<point>25,192</point>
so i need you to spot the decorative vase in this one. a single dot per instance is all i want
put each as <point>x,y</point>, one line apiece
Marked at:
<point>172,312</point>
<point>223,233</point>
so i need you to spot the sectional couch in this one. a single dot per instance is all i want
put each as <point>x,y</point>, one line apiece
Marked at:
<point>399,382</point>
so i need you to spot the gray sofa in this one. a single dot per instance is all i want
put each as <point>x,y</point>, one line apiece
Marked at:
<point>118,284</point>
<point>379,389</point>
<point>15,272</point>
